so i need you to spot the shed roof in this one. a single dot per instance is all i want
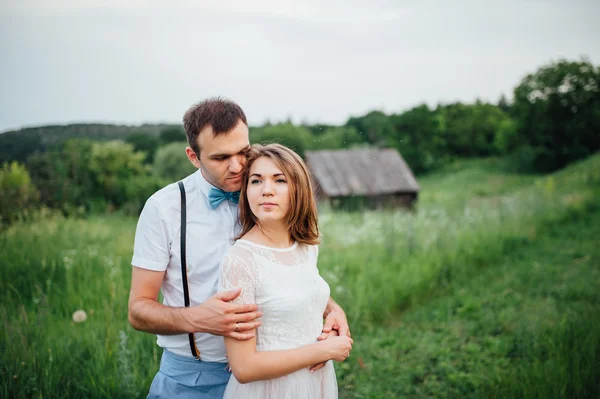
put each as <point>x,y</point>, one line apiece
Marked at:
<point>361,172</point>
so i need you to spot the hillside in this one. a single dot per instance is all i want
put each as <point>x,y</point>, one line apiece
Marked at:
<point>19,144</point>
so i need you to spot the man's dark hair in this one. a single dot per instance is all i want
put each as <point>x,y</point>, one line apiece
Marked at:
<point>222,114</point>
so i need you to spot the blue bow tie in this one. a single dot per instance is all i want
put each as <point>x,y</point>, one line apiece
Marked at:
<point>216,196</point>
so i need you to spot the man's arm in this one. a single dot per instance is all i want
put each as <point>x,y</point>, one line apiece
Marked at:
<point>249,365</point>
<point>213,316</point>
<point>335,319</point>
<point>332,306</point>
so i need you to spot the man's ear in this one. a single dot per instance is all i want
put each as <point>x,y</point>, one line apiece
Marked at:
<point>193,157</point>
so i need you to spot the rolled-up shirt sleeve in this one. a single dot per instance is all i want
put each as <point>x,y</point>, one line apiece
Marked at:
<point>151,246</point>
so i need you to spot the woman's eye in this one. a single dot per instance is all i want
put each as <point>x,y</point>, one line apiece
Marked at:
<point>280,180</point>
<point>254,181</point>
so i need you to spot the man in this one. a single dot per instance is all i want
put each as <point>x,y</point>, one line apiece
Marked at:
<point>194,362</point>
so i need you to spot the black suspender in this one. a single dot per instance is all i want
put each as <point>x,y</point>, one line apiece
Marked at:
<point>186,291</point>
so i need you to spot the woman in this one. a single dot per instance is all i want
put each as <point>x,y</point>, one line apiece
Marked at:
<point>274,262</point>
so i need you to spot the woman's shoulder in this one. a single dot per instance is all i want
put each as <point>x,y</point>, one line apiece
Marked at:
<point>238,253</point>
<point>311,248</point>
<point>240,248</point>
<point>238,258</point>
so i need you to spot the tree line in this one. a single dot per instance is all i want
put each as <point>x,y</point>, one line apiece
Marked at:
<point>552,120</point>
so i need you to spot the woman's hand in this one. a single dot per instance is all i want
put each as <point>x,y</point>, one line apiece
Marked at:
<point>318,366</point>
<point>337,348</point>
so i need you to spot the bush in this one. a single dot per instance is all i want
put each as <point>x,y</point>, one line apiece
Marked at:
<point>146,143</point>
<point>171,163</point>
<point>63,175</point>
<point>337,138</point>
<point>137,189</point>
<point>17,192</point>
<point>172,134</point>
<point>84,175</point>
<point>114,164</point>
<point>297,138</point>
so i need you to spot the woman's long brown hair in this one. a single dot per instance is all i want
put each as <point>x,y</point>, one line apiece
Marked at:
<point>301,219</point>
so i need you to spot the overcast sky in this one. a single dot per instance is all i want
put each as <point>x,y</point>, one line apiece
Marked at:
<point>136,61</point>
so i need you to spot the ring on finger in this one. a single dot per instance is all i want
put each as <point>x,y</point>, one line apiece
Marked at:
<point>237,327</point>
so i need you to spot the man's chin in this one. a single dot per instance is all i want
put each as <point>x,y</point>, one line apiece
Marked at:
<point>233,187</point>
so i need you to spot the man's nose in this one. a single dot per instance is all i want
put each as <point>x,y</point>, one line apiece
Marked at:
<point>236,165</point>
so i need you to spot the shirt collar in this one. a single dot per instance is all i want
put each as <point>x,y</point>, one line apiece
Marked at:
<point>204,185</point>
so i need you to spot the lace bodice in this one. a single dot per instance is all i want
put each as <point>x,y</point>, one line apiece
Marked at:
<point>286,286</point>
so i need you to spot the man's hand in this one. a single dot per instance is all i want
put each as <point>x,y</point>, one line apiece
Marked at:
<point>214,316</point>
<point>218,317</point>
<point>335,321</point>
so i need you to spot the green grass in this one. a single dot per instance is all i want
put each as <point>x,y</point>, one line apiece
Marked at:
<point>487,289</point>
<point>468,181</point>
<point>384,261</point>
<point>527,326</point>
<point>50,269</point>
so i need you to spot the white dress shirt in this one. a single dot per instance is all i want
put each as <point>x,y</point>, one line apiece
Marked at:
<point>210,234</point>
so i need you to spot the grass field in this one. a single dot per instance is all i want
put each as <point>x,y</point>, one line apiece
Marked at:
<point>489,289</point>
<point>525,326</point>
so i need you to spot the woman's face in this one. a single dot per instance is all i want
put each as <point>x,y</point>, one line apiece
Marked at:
<point>268,191</point>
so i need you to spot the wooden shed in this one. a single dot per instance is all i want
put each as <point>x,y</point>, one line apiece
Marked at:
<point>377,176</point>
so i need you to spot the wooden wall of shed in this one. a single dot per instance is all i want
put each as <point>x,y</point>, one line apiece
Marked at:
<point>399,200</point>
<point>355,203</point>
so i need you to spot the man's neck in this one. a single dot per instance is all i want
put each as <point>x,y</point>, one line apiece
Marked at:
<point>207,179</point>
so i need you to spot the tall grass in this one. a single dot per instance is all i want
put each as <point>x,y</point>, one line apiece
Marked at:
<point>380,262</point>
<point>50,269</point>
<point>526,326</point>
<point>559,363</point>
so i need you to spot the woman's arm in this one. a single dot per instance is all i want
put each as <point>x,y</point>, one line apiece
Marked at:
<point>246,363</point>
<point>249,365</point>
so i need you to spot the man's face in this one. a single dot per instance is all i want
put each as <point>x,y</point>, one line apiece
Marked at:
<point>222,158</point>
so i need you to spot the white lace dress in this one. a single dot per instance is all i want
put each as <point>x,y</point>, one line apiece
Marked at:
<point>286,286</point>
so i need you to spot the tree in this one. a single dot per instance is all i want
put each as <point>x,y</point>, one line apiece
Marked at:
<point>375,127</point>
<point>145,143</point>
<point>172,134</point>
<point>504,104</point>
<point>297,138</point>
<point>115,160</point>
<point>170,162</point>
<point>317,129</point>
<point>417,135</point>
<point>337,138</point>
<point>471,129</point>
<point>63,175</point>
<point>557,114</point>
<point>93,176</point>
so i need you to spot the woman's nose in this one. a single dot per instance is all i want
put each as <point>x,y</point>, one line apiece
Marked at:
<point>267,188</point>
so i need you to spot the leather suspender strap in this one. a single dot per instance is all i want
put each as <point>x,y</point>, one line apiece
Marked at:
<point>186,291</point>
